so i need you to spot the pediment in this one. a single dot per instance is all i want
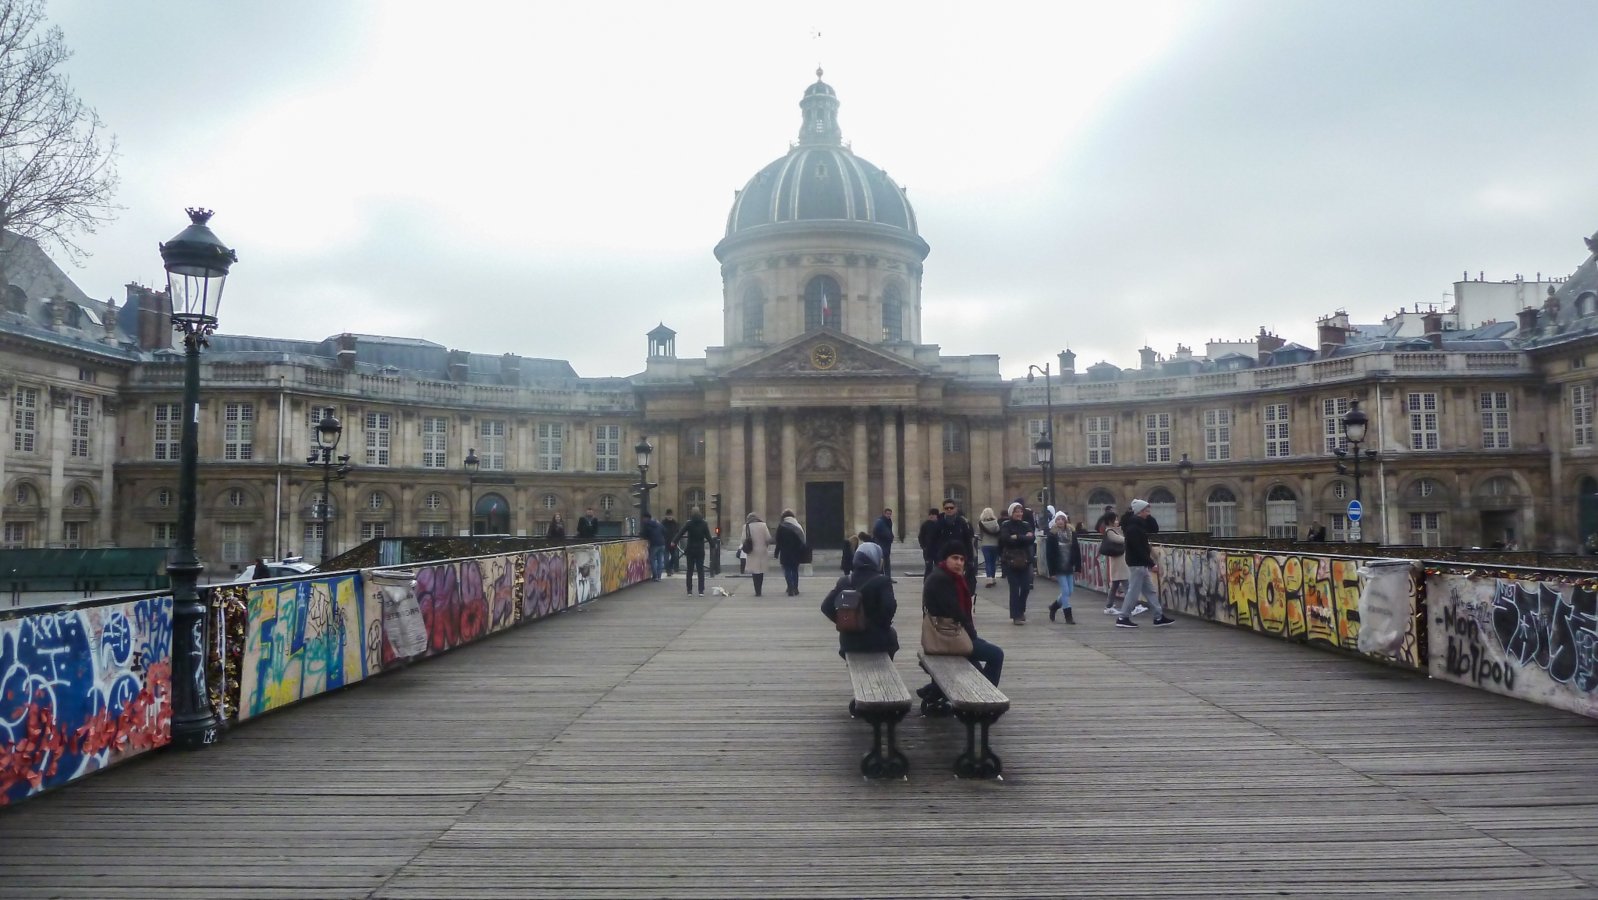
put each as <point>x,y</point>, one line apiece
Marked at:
<point>824,354</point>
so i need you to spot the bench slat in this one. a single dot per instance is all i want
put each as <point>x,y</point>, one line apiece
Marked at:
<point>877,685</point>
<point>966,688</point>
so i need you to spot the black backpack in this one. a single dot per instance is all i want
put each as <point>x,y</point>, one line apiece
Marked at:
<point>850,611</point>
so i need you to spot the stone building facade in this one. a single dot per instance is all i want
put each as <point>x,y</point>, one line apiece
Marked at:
<point>821,398</point>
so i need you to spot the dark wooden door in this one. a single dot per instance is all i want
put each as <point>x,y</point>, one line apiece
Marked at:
<point>824,513</point>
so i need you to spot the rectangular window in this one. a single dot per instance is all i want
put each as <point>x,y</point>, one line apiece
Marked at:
<point>82,423</point>
<point>378,438</point>
<point>1157,437</point>
<point>1495,420</point>
<point>1281,520</point>
<point>25,420</point>
<point>1099,434</point>
<point>435,442</point>
<point>72,535</point>
<point>1034,431</point>
<point>1332,413</point>
<point>314,416</point>
<point>1277,444</point>
<point>434,529</point>
<point>1422,410</point>
<point>1222,518</point>
<point>1426,528</point>
<point>1217,435</point>
<point>235,542</point>
<point>373,530</point>
<point>311,544</point>
<point>164,534</point>
<point>1336,527</point>
<point>954,438</point>
<point>696,442</point>
<point>16,536</point>
<point>167,430</point>
<point>238,432</point>
<point>607,448</point>
<point>551,444</point>
<point>1581,414</point>
<point>491,434</point>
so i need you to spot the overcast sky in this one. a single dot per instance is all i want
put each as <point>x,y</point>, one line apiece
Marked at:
<point>550,179</point>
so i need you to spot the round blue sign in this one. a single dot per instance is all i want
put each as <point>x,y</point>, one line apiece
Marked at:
<point>1354,511</point>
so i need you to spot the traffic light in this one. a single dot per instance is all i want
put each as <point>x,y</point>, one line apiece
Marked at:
<point>715,502</point>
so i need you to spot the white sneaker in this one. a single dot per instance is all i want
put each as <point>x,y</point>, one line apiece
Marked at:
<point>1139,610</point>
<point>1110,611</point>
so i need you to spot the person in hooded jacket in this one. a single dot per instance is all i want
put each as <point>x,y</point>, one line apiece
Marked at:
<point>876,600</point>
<point>946,595</point>
<point>988,534</point>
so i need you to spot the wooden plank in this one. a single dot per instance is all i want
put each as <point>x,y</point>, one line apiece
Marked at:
<point>966,688</point>
<point>877,685</point>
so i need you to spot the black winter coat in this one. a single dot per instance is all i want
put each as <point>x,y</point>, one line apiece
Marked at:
<point>1064,556</point>
<point>1137,533</point>
<point>876,598</point>
<point>693,537</point>
<point>1015,534</point>
<point>939,597</point>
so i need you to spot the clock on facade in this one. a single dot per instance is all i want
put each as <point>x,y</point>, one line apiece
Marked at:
<point>823,356</point>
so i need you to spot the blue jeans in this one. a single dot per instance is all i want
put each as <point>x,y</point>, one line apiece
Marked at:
<point>790,574</point>
<point>990,558</point>
<point>1140,581</point>
<point>1067,586</point>
<point>987,657</point>
<point>657,561</point>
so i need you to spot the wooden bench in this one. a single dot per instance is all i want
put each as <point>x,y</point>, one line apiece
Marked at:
<point>880,698</point>
<point>973,700</point>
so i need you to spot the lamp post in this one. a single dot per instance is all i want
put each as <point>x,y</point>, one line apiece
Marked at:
<point>1048,431</point>
<point>1354,425</point>
<point>328,433</point>
<point>643,449</point>
<point>196,266</point>
<point>471,464</point>
<point>1184,471</point>
<point>1045,451</point>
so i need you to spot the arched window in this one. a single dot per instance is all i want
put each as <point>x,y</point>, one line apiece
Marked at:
<point>163,497</point>
<point>754,314</point>
<point>1281,513</point>
<point>607,503</point>
<point>1341,490</point>
<point>23,496</point>
<point>1221,513</point>
<point>235,497</point>
<point>80,496</point>
<point>375,500</point>
<point>1499,488</point>
<point>1425,490</point>
<point>823,303</point>
<point>893,312</point>
<point>491,515</point>
<point>1162,506</point>
<point>550,501</point>
<point>1101,498</point>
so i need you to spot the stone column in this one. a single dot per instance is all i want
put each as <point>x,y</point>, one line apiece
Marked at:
<point>105,536</point>
<point>914,472</point>
<point>735,502</point>
<point>790,462</point>
<point>860,479</point>
<point>757,452</point>
<point>8,388</point>
<point>890,466</point>
<point>59,429</point>
<point>936,489</point>
<point>667,471</point>
<point>999,489</point>
<point>713,467</point>
<point>977,450</point>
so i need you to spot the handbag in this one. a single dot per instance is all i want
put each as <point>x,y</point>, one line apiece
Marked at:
<point>1015,558</point>
<point>941,636</point>
<point>748,544</point>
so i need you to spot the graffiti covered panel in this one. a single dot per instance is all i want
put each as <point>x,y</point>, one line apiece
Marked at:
<point>80,690</point>
<point>544,587</point>
<point>612,567</point>
<point>582,572</point>
<point>304,638</point>
<point>637,563</point>
<point>1535,640</point>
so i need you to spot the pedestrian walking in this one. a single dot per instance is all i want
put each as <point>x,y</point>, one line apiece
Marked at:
<point>882,533</point>
<point>652,532</point>
<point>1064,557</point>
<point>1015,554</point>
<point>671,526</point>
<point>1141,567</point>
<point>791,544</point>
<point>693,538</point>
<point>755,544</point>
<point>988,536</point>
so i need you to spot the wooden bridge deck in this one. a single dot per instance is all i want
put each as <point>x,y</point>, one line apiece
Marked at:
<point>654,745</point>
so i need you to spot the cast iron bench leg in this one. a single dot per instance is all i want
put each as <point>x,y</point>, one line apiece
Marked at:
<point>971,763</point>
<point>876,763</point>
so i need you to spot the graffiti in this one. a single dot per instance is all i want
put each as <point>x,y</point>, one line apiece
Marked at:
<point>402,633</point>
<point>583,573</point>
<point>543,583</point>
<point>82,689</point>
<point>491,581</point>
<point>303,638</point>
<point>612,567</point>
<point>637,562</point>
<point>454,613</point>
<point>1536,640</point>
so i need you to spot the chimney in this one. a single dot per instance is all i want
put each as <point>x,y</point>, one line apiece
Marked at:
<point>1067,366</point>
<point>1331,336</point>
<point>58,312</point>
<point>1528,320</point>
<point>510,369</point>
<point>109,320</point>
<point>1149,357</point>
<point>153,329</point>
<point>346,351</point>
<point>1431,325</point>
<point>1269,342</point>
<point>1183,351</point>
<point>1551,309</point>
<point>459,369</point>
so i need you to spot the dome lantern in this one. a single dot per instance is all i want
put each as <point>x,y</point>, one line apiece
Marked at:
<point>820,106</point>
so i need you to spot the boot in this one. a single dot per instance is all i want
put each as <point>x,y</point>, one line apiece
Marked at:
<point>1069,619</point>
<point>1054,608</point>
<point>759,581</point>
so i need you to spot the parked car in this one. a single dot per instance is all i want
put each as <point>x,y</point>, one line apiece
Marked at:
<point>283,568</point>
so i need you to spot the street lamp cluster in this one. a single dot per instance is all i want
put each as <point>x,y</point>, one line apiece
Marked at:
<point>328,433</point>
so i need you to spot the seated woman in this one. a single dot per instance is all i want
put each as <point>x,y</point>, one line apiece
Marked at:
<point>946,595</point>
<point>876,598</point>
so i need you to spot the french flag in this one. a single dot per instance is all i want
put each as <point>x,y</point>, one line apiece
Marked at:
<point>826,308</point>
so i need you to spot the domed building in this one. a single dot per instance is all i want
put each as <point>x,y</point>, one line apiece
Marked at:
<point>823,398</point>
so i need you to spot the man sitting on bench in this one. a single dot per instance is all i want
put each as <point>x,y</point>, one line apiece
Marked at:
<point>876,599</point>
<point>947,594</point>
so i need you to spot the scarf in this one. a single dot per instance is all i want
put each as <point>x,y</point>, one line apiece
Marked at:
<point>961,589</point>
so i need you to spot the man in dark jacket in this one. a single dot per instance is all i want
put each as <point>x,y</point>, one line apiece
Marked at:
<point>876,601</point>
<point>882,533</point>
<point>651,531</point>
<point>955,528</point>
<point>945,595</point>
<point>1141,568</point>
<point>670,526</point>
<point>587,526</point>
<point>928,539</point>
<point>693,539</point>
